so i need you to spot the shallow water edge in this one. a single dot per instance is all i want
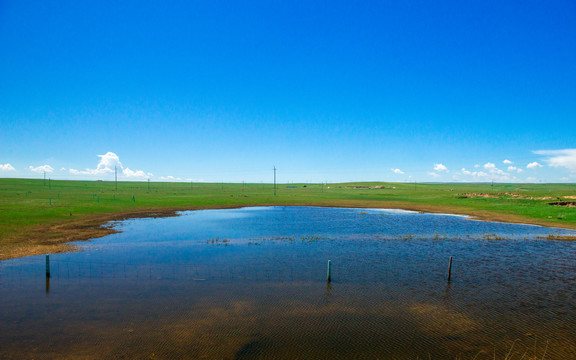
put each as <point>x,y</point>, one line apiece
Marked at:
<point>56,238</point>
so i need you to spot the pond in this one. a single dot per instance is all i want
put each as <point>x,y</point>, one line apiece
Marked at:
<point>251,283</point>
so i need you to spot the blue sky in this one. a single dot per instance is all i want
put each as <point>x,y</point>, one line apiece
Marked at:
<point>324,90</point>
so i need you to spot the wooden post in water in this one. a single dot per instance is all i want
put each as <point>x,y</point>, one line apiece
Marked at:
<point>47,266</point>
<point>449,268</point>
<point>329,275</point>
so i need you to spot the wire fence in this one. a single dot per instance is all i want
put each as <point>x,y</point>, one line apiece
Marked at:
<point>286,267</point>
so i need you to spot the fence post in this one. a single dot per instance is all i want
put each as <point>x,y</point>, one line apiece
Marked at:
<point>449,268</point>
<point>47,266</point>
<point>329,279</point>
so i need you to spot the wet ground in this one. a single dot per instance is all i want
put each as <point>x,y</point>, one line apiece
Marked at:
<point>251,284</point>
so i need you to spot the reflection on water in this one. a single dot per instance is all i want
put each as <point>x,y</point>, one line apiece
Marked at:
<point>251,284</point>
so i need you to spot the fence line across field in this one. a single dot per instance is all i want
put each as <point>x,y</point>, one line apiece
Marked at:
<point>290,269</point>
<point>267,270</point>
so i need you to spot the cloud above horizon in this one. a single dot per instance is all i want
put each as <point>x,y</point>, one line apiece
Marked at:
<point>397,171</point>
<point>107,164</point>
<point>41,169</point>
<point>565,158</point>
<point>440,168</point>
<point>7,167</point>
<point>533,165</point>
<point>170,178</point>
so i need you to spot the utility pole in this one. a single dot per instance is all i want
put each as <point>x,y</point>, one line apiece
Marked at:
<point>242,186</point>
<point>274,180</point>
<point>116,177</point>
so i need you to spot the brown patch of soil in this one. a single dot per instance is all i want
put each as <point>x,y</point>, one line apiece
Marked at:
<point>558,237</point>
<point>53,238</point>
<point>563,203</point>
<point>495,195</point>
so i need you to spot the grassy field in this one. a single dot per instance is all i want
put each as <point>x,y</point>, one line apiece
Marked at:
<point>38,217</point>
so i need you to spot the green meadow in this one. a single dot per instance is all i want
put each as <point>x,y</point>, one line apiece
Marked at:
<point>37,217</point>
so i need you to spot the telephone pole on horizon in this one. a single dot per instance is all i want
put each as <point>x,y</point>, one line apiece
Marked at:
<point>274,180</point>
<point>116,177</point>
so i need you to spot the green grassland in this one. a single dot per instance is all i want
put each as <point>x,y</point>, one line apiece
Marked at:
<point>36,217</point>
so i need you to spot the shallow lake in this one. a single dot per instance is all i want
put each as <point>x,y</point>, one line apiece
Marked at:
<point>251,283</point>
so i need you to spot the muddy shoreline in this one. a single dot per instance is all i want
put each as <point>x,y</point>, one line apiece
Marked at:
<point>55,238</point>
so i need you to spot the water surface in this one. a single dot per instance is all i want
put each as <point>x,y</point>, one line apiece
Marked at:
<point>250,283</point>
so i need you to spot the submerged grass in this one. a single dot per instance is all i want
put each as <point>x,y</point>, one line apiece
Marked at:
<point>38,218</point>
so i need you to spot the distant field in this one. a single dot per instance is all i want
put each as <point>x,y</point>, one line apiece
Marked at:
<point>38,217</point>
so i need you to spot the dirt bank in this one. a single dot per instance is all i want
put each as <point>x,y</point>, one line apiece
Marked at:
<point>54,238</point>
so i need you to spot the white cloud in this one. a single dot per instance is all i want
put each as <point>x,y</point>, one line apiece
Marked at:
<point>42,168</point>
<point>492,169</point>
<point>135,173</point>
<point>508,162</point>
<point>170,178</point>
<point>531,179</point>
<point>397,171</point>
<point>560,158</point>
<point>6,167</point>
<point>107,164</point>
<point>533,165</point>
<point>493,173</point>
<point>440,167</point>
<point>514,168</point>
<point>433,174</point>
<point>474,173</point>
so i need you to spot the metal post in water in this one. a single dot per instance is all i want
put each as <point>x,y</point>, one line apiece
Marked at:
<point>449,268</point>
<point>329,279</point>
<point>47,266</point>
